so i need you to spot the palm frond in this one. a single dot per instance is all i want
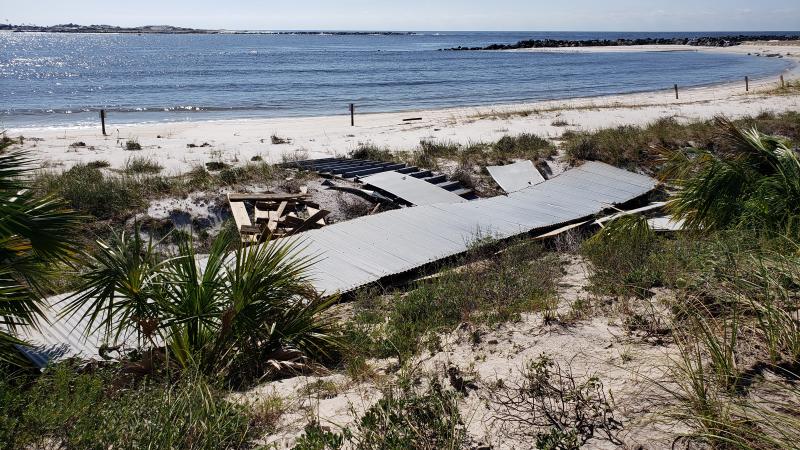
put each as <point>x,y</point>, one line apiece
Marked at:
<point>118,288</point>
<point>754,182</point>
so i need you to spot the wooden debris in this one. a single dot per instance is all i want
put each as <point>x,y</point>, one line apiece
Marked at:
<point>275,215</point>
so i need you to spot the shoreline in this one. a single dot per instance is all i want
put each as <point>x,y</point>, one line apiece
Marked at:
<point>239,140</point>
<point>747,48</point>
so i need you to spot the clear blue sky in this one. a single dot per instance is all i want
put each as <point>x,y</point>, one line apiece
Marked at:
<point>522,15</point>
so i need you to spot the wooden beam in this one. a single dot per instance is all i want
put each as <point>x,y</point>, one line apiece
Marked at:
<point>265,197</point>
<point>281,209</point>
<point>312,211</point>
<point>240,215</point>
<point>311,223</point>
<point>291,220</point>
<point>261,214</point>
<point>272,224</point>
<point>251,229</point>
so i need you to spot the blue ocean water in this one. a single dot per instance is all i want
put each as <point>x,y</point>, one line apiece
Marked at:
<point>64,79</point>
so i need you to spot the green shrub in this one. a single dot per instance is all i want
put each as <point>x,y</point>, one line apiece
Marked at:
<point>90,191</point>
<point>526,145</point>
<point>244,315</point>
<point>372,152</point>
<point>521,279</point>
<point>67,410</point>
<point>620,255</point>
<point>132,145</point>
<point>755,184</point>
<point>402,419</point>
<point>139,165</point>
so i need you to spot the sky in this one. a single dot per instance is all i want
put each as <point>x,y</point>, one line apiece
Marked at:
<point>414,15</point>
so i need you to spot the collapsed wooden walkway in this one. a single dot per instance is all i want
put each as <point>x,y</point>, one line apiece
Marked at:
<point>365,250</point>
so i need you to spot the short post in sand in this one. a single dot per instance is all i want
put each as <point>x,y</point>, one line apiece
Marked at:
<point>783,85</point>
<point>676,92</point>
<point>746,84</point>
<point>103,120</point>
<point>352,115</point>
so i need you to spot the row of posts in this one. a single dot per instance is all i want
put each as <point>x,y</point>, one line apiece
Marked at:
<point>352,106</point>
<point>746,86</point>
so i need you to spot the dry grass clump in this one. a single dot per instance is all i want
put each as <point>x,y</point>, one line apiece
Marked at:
<point>132,145</point>
<point>139,165</point>
<point>554,408</point>
<point>641,147</point>
<point>372,152</point>
<point>735,275</point>
<point>497,289</point>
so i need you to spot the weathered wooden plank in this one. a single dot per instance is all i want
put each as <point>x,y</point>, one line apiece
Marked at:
<point>265,197</point>
<point>261,214</point>
<point>312,211</point>
<point>251,229</point>
<point>240,215</point>
<point>291,220</point>
<point>272,224</point>
<point>281,209</point>
<point>311,222</point>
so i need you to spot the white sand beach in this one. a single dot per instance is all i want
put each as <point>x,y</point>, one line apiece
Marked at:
<point>235,141</point>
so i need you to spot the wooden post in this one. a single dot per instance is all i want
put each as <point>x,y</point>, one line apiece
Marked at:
<point>352,115</point>
<point>676,92</point>
<point>747,84</point>
<point>783,85</point>
<point>103,120</point>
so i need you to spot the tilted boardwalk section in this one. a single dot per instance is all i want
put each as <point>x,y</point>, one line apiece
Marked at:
<point>364,250</point>
<point>354,253</point>
<point>411,189</point>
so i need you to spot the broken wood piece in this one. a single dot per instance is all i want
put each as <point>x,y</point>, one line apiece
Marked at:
<point>281,208</point>
<point>272,224</point>
<point>261,214</point>
<point>240,215</point>
<point>251,229</point>
<point>291,220</point>
<point>265,197</point>
<point>312,211</point>
<point>375,209</point>
<point>310,223</point>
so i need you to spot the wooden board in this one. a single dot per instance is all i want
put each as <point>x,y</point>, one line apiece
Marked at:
<point>312,222</point>
<point>265,197</point>
<point>312,211</point>
<point>261,214</point>
<point>240,215</point>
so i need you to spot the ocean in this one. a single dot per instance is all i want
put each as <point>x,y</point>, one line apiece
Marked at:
<point>49,80</point>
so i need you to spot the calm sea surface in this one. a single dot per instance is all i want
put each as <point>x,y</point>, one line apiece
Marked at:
<point>63,79</point>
